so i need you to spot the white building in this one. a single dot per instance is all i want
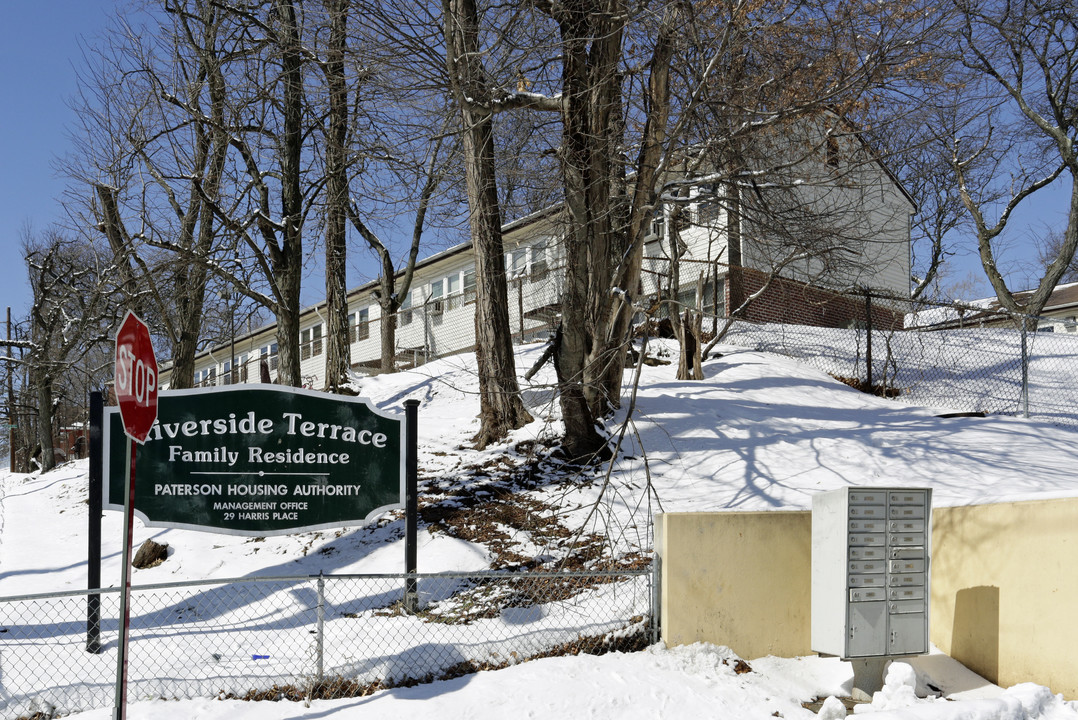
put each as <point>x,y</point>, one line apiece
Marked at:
<point>859,231</point>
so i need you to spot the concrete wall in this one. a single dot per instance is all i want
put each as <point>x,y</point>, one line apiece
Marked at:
<point>1004,586</point>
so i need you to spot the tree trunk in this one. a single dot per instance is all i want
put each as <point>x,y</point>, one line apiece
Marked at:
<point>388,338</point>
<point>605,237</point>
<point>43,386</point>
<point>501,408</point>
<point>585,240</point>
<point>687,328</point>
<point>338,351</point>
<point>287,258</point>
<point>191,284</point>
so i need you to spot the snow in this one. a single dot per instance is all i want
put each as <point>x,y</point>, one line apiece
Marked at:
<point>760,432</point>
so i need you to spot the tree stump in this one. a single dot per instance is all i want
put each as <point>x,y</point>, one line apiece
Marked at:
<point>151,554</point>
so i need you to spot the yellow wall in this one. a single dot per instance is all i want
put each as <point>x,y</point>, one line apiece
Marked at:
<point>1005,591</point>
<point>1004,586</point>
<point>736,579</point>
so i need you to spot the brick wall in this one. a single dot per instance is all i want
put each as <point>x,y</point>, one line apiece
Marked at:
<point>788,301</point>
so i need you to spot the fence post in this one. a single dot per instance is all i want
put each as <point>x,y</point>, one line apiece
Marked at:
<point>868,334</point>
<point>411,503</point>
<point>1025,368</point>
<point>319,635</point>
<point>520,305</point>
<point>656,596</point>
<point>93,535</point>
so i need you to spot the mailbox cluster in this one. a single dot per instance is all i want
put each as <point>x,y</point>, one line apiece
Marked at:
<point>870,571</point>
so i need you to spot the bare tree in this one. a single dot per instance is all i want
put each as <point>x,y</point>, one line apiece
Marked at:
<point>1015,125</point>
<point>391,289</point>
<point>152,158</point>
<point>733,97</point>
<point>70,316</point>
<point>651,101</point>
<point>338,132</point>
<point>262,63</point>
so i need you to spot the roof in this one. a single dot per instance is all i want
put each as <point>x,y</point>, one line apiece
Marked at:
<point>1062,298</point>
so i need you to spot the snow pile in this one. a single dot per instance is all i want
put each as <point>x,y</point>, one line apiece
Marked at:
<point>898,700</point>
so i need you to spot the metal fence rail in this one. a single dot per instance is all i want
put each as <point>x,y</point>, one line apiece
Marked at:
<point>297,637</point>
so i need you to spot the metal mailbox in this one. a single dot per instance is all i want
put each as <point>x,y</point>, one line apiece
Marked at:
<point>870,571</point>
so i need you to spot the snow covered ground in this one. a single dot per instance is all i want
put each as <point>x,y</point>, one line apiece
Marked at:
<point>760,432</point>
<point>697,681</point>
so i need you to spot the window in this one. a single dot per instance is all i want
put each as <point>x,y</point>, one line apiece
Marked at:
<point>453,297</point>
<point>310,342</point>
<point>712,298</point>
<point>708,198</point>
<point>1070,323</point>
<point>226,373</point>
<point>469,286</point>
<point>516,263</point>
<point>206,377</point>
<point>361,325</point>
<point>269,354</point>
<point>708,211</point>
<point>658,223</point>
<point>539,264</point>
<point>686,298</point>
<point>435,305</point>
<point>682,218</point>
<point>404,314</point>
<point>241,368</point>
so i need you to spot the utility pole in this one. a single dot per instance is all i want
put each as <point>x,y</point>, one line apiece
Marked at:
<point>10,402</point>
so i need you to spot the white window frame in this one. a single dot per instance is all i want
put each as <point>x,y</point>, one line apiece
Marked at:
<point>310,342</point>
<point>360,322</point>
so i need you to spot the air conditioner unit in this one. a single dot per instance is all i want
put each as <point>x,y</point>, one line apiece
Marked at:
<point>437,307</point>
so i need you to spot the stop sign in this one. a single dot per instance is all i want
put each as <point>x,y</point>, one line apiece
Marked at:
<point>136,377</point>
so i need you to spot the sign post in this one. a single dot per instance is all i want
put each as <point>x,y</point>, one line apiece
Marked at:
<point>136,394</point>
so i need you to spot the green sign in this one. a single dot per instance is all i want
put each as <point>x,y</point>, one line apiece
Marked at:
<point>259,461</point>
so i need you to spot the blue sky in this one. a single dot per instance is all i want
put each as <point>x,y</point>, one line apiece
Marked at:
<point>39,49</point>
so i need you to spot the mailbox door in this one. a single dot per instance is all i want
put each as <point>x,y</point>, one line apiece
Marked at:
<point>907,635</point>
<point>867,629</point>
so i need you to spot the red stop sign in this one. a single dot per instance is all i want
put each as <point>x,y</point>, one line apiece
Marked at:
<point>136,377</point>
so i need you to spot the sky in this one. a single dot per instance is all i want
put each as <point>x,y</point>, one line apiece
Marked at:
<point>39,49</point>
<point>760,432</point>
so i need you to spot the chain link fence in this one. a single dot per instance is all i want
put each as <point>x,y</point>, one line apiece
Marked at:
<point>991,366</point>
<point>961,358</point>
<point>307,637</point>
